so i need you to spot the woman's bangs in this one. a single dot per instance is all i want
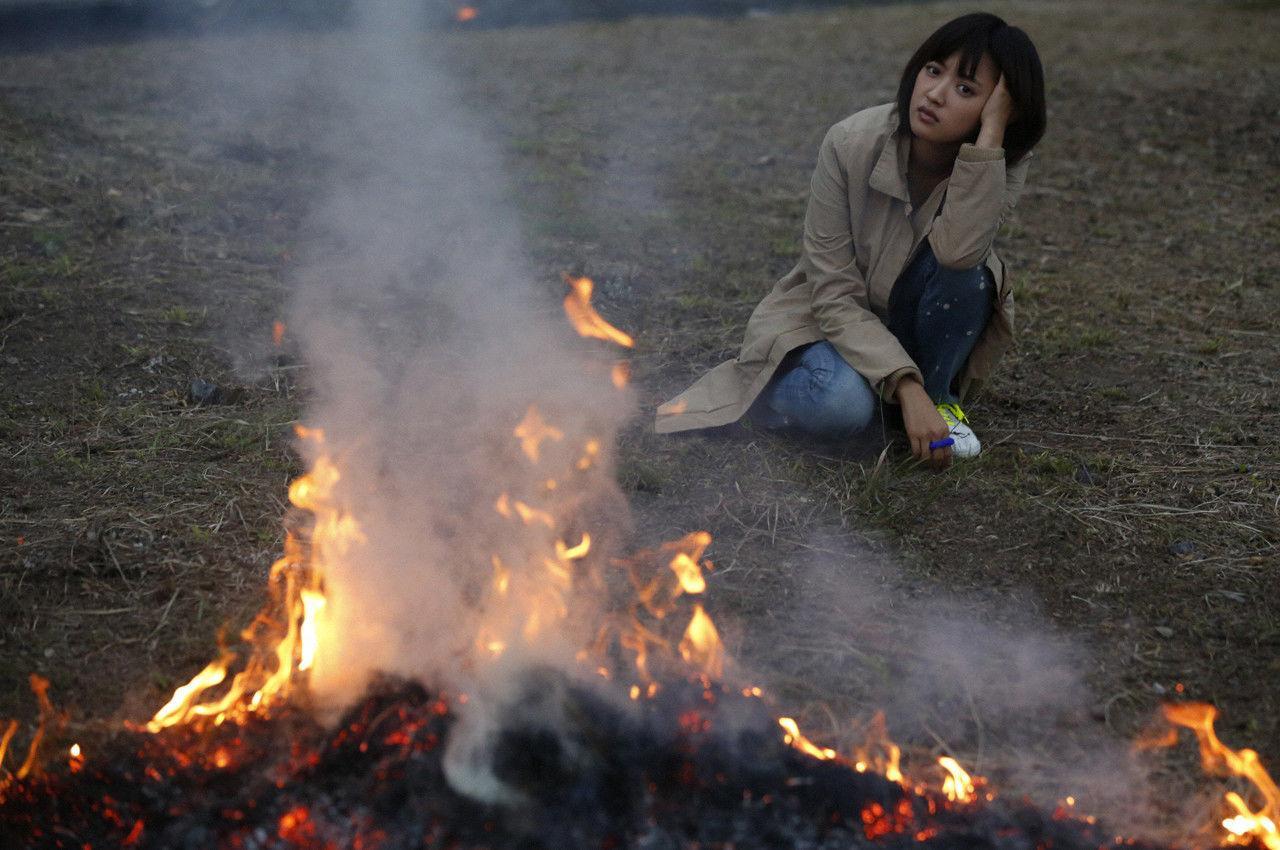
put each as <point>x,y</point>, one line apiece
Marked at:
<point>971,46</point>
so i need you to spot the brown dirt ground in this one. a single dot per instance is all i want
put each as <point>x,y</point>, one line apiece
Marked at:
<point>1129,493</point>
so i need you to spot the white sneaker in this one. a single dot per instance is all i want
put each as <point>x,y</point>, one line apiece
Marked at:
<point>966,442</point>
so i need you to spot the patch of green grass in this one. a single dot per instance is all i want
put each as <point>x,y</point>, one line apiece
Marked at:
<point>1051,464</point>
<point>1069,338</point>
<point>180,314</point>
<point>1211,346</point>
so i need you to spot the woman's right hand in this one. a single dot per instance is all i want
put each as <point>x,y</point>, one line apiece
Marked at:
<point>923,423</point>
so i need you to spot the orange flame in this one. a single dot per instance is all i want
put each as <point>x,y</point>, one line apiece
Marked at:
<point>958,786</point>
<point>620,374</point>
<point>1216,758</point>
<point>795,739</point>
<point>465,13</point>
<point>585,320</point>
<point>689,573</point>
<point>701,645</point>
<point>533,430</point>
<point>878,751</point>
<point>39,687</point>
<point>277,333</point>
<point>285,638</point>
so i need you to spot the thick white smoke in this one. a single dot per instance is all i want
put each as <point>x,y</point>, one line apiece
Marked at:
<point>427,342</point>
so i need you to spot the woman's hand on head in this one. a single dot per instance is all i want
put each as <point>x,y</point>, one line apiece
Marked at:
<point>923,423</point>
<point>997,112</point>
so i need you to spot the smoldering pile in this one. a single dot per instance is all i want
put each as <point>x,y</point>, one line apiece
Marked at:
<point>695,765</point>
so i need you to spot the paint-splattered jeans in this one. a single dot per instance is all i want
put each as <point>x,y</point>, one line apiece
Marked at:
<point>935,312</point>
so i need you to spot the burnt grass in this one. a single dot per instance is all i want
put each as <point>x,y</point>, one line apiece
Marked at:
<point>695,767</point>
<point>1126,500</point>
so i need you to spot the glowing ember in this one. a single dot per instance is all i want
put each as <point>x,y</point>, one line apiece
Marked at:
<point>465,13</point>
<point>277,333</point>
<point>584,318</point>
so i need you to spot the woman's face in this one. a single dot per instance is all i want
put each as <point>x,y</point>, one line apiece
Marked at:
<point>946,107</point>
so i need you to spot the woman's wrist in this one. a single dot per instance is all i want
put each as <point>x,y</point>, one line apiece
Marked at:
<point>908,386</point>
<point>991,135</point>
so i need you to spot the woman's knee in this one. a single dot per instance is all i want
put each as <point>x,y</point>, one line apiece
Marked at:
<point>843,403</point>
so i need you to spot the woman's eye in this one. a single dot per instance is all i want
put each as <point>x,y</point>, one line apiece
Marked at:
<point>965,90</point>
<point>931,70</point>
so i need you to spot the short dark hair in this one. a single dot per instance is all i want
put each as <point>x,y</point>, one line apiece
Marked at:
<point>1014,56</point>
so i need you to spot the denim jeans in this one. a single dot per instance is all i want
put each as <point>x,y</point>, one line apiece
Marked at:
<point>935,312</point>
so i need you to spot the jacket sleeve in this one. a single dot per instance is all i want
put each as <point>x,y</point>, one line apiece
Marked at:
<point>980,195</point>
<point>839,300</point>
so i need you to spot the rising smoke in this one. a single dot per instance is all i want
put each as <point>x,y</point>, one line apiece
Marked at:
<point>427,342</point>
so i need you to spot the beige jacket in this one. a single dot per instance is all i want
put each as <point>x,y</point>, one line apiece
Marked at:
<point>860,231</point>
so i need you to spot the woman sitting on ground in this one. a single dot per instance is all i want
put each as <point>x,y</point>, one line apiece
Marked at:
<point>898,296</point>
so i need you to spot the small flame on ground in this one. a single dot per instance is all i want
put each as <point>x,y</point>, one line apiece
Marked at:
<point>584,318</point>
<point>796,739</point>
<point>465,13</point>
<point>277,333</point>
<point>958,786</point>
<point>878,751</point>
<point>701,645</point>
<point>689,573</point>
<point>1246,825</point>
<point>48,714</point>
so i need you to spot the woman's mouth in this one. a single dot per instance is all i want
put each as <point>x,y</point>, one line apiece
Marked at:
<point>927,115</point>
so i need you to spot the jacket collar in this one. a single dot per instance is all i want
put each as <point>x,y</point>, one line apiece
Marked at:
<point>890,173</point>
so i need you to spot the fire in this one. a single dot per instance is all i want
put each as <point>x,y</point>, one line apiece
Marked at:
<point>685,564</point>
<point>277,333</point>
<point>533,430</point>
<point>620,374</point>
<point>285,637</point>
<point>585,320</point>
<point>1246,824</point>
<point>701,645</point>
<point>312,603</point>
<point>465,13</point>
<point>958,786</point>
<point>795,739</point>
<point>48,714</point>
<point>878,752</point>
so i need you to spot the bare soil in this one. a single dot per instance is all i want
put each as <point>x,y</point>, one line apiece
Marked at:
<point>1128,496</point>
